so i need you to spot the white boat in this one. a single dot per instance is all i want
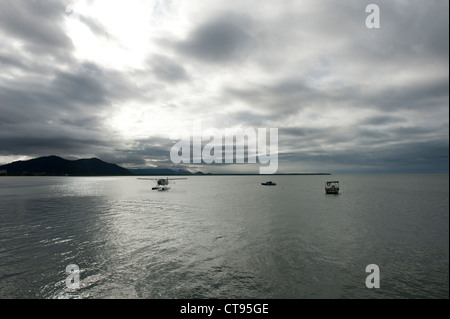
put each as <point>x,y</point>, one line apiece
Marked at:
<point>332,187</point>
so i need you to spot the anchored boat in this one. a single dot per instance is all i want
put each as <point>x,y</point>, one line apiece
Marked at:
<point>269,183</point>
<point>332,187</point>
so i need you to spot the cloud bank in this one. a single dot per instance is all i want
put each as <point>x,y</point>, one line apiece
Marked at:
<point>113,80</point>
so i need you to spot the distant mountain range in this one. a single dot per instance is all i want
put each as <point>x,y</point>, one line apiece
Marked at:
<point>162,171</point>
<point>57,166</point>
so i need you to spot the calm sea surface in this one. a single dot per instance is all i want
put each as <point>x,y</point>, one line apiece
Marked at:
<point>225,237</point>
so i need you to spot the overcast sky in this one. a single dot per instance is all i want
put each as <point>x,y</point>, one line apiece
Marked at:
<point>113,80</point>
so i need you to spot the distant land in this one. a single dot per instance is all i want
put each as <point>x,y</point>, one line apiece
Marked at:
<point>161,171</point>
<point>254,174</point>
<point>57,166</point>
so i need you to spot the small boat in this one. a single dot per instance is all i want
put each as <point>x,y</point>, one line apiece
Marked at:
<point>332,187</point>
<point>269,183</point>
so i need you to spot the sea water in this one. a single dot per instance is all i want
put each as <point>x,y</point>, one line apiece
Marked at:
<point>225,237</point>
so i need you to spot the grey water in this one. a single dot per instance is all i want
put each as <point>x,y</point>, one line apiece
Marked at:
<point>225,237</point>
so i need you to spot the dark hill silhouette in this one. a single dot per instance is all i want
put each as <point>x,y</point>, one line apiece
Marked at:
<point>55,165</point>
<point>159,171</point>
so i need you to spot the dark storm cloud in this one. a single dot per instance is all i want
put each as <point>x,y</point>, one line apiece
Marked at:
<point>167,70</point>
<point>292,94</point>
<point>58,142</point>
<point>155,147</point>
<point>382,120</point>
<point>63,113</point>
<point>419,157</point>
<point>155,150</point>
<point>38,24</point>
<point>222,39</point>
<point>69,86</point>
<point>7,62</point>
<point>85,89</point>
<point>288,96</point>
<point>411,42</point>
<point>419,29</point>
<point>251,118</point>
<point>359,135</point>
<point>423,95</point>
